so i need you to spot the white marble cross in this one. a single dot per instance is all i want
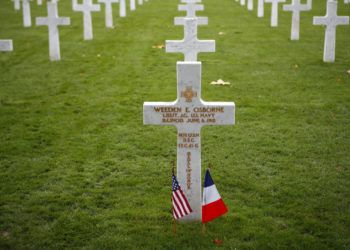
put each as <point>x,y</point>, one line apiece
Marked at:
<point>261,8</point>
<point>296,7</point>
<point>274,11</point>
<point>6,45</point>
<point>190,46</point>
<point>189,113</point>
<point>191,9</point>
<point>86,7</point>
<point>27,18</point>
<point>108,12</point>
<point>242,2</point>
<point>331,21</point>
<point>132,5</point>
<point>250,5</point>
<point>52,21</point>
<point>122,8</point>
<point>17,4</point>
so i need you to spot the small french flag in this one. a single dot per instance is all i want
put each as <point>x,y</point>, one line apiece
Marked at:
<point>212,205</point>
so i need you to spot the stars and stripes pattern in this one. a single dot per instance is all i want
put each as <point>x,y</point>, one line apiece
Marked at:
<point>181,207</point>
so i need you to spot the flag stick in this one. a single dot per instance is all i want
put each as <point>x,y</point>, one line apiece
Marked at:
<point>174,221</point>
<point>203,228</point>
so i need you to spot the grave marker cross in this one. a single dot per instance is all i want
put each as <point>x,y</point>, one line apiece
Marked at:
<point>52,21</point>
<point>191,9</point>
<point>27,18</point>
<point>86,7</point>
<point>189,113</point>
<point>296,7</point>
<point>6,45</point>
<point>190,46</point>
<point>331,21</point>
<point>17,4</point>
<point>274,11</point>
<point>108,12</point>
<point>261,8</point>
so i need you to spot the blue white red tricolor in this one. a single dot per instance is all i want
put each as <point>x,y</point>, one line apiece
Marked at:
<point>181,207</point>
<point>212,206</point>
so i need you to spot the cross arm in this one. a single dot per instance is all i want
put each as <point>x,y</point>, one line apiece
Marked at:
<point>63,21</point>
<point>161,113</point>
<point>200,21</point>
<point>40,21</point>
<point>217,113</point>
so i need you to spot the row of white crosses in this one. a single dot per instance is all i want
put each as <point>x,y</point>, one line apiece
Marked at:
<point>331,20</point>
<point>189,113</point>
<point>53,20</point>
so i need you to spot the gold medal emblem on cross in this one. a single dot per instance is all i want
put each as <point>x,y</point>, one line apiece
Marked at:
<point>188,94</point>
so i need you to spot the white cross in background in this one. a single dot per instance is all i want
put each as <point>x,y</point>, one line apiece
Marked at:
<point>53,21</point>
<point>331,21</point>
<point>274,11</point>
<point>86,7</point>
<point>17,4</point>
<point>132,5</point>
<point>6,45</point>
<point>190,46</point>
<point>108,12</point>
<point>250,5</point>
<point>261,8</point>
<point>296,7</point>
<point>27,18</point>
<point>191,9</point>
<point>122,8</point>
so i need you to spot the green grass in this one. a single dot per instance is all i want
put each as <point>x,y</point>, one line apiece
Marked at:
<point>78,169</point>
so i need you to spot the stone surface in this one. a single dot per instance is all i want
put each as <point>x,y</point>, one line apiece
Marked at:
<point>189,113</point>
<point>250,5</point>
<point>6,45</point>
<point>190,46</point>
<point>108,12</point>
<point>27,18</point>
<point>346,1</point>
<point>296,7</point>
<point>261,8</point>
<point>132,5</point>
<point>17,4</point>
<point>331,21</point>
<point>140,2</point>
<point>53,21</point>
<point>122,8</point>
<point>86,7</point>
<point>274,11</point>
<point>191,9</point>
<point>39,2</point>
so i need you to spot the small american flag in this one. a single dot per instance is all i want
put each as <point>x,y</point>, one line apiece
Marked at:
<point>181,207</point>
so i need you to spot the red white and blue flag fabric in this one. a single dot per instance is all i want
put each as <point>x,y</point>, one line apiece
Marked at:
<point>212,206</point>
<point>181,207</point>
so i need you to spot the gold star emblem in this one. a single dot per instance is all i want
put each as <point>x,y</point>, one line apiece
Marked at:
<point>188,94</point>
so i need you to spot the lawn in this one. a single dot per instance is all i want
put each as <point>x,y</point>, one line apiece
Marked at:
<point>78,169</point>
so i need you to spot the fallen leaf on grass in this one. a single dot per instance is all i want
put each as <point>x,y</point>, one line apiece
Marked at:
<point>218,242</point>
<point>222,33</point>
<point>348,71</point>
<point>220,82</point>
<point>159,46</point>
